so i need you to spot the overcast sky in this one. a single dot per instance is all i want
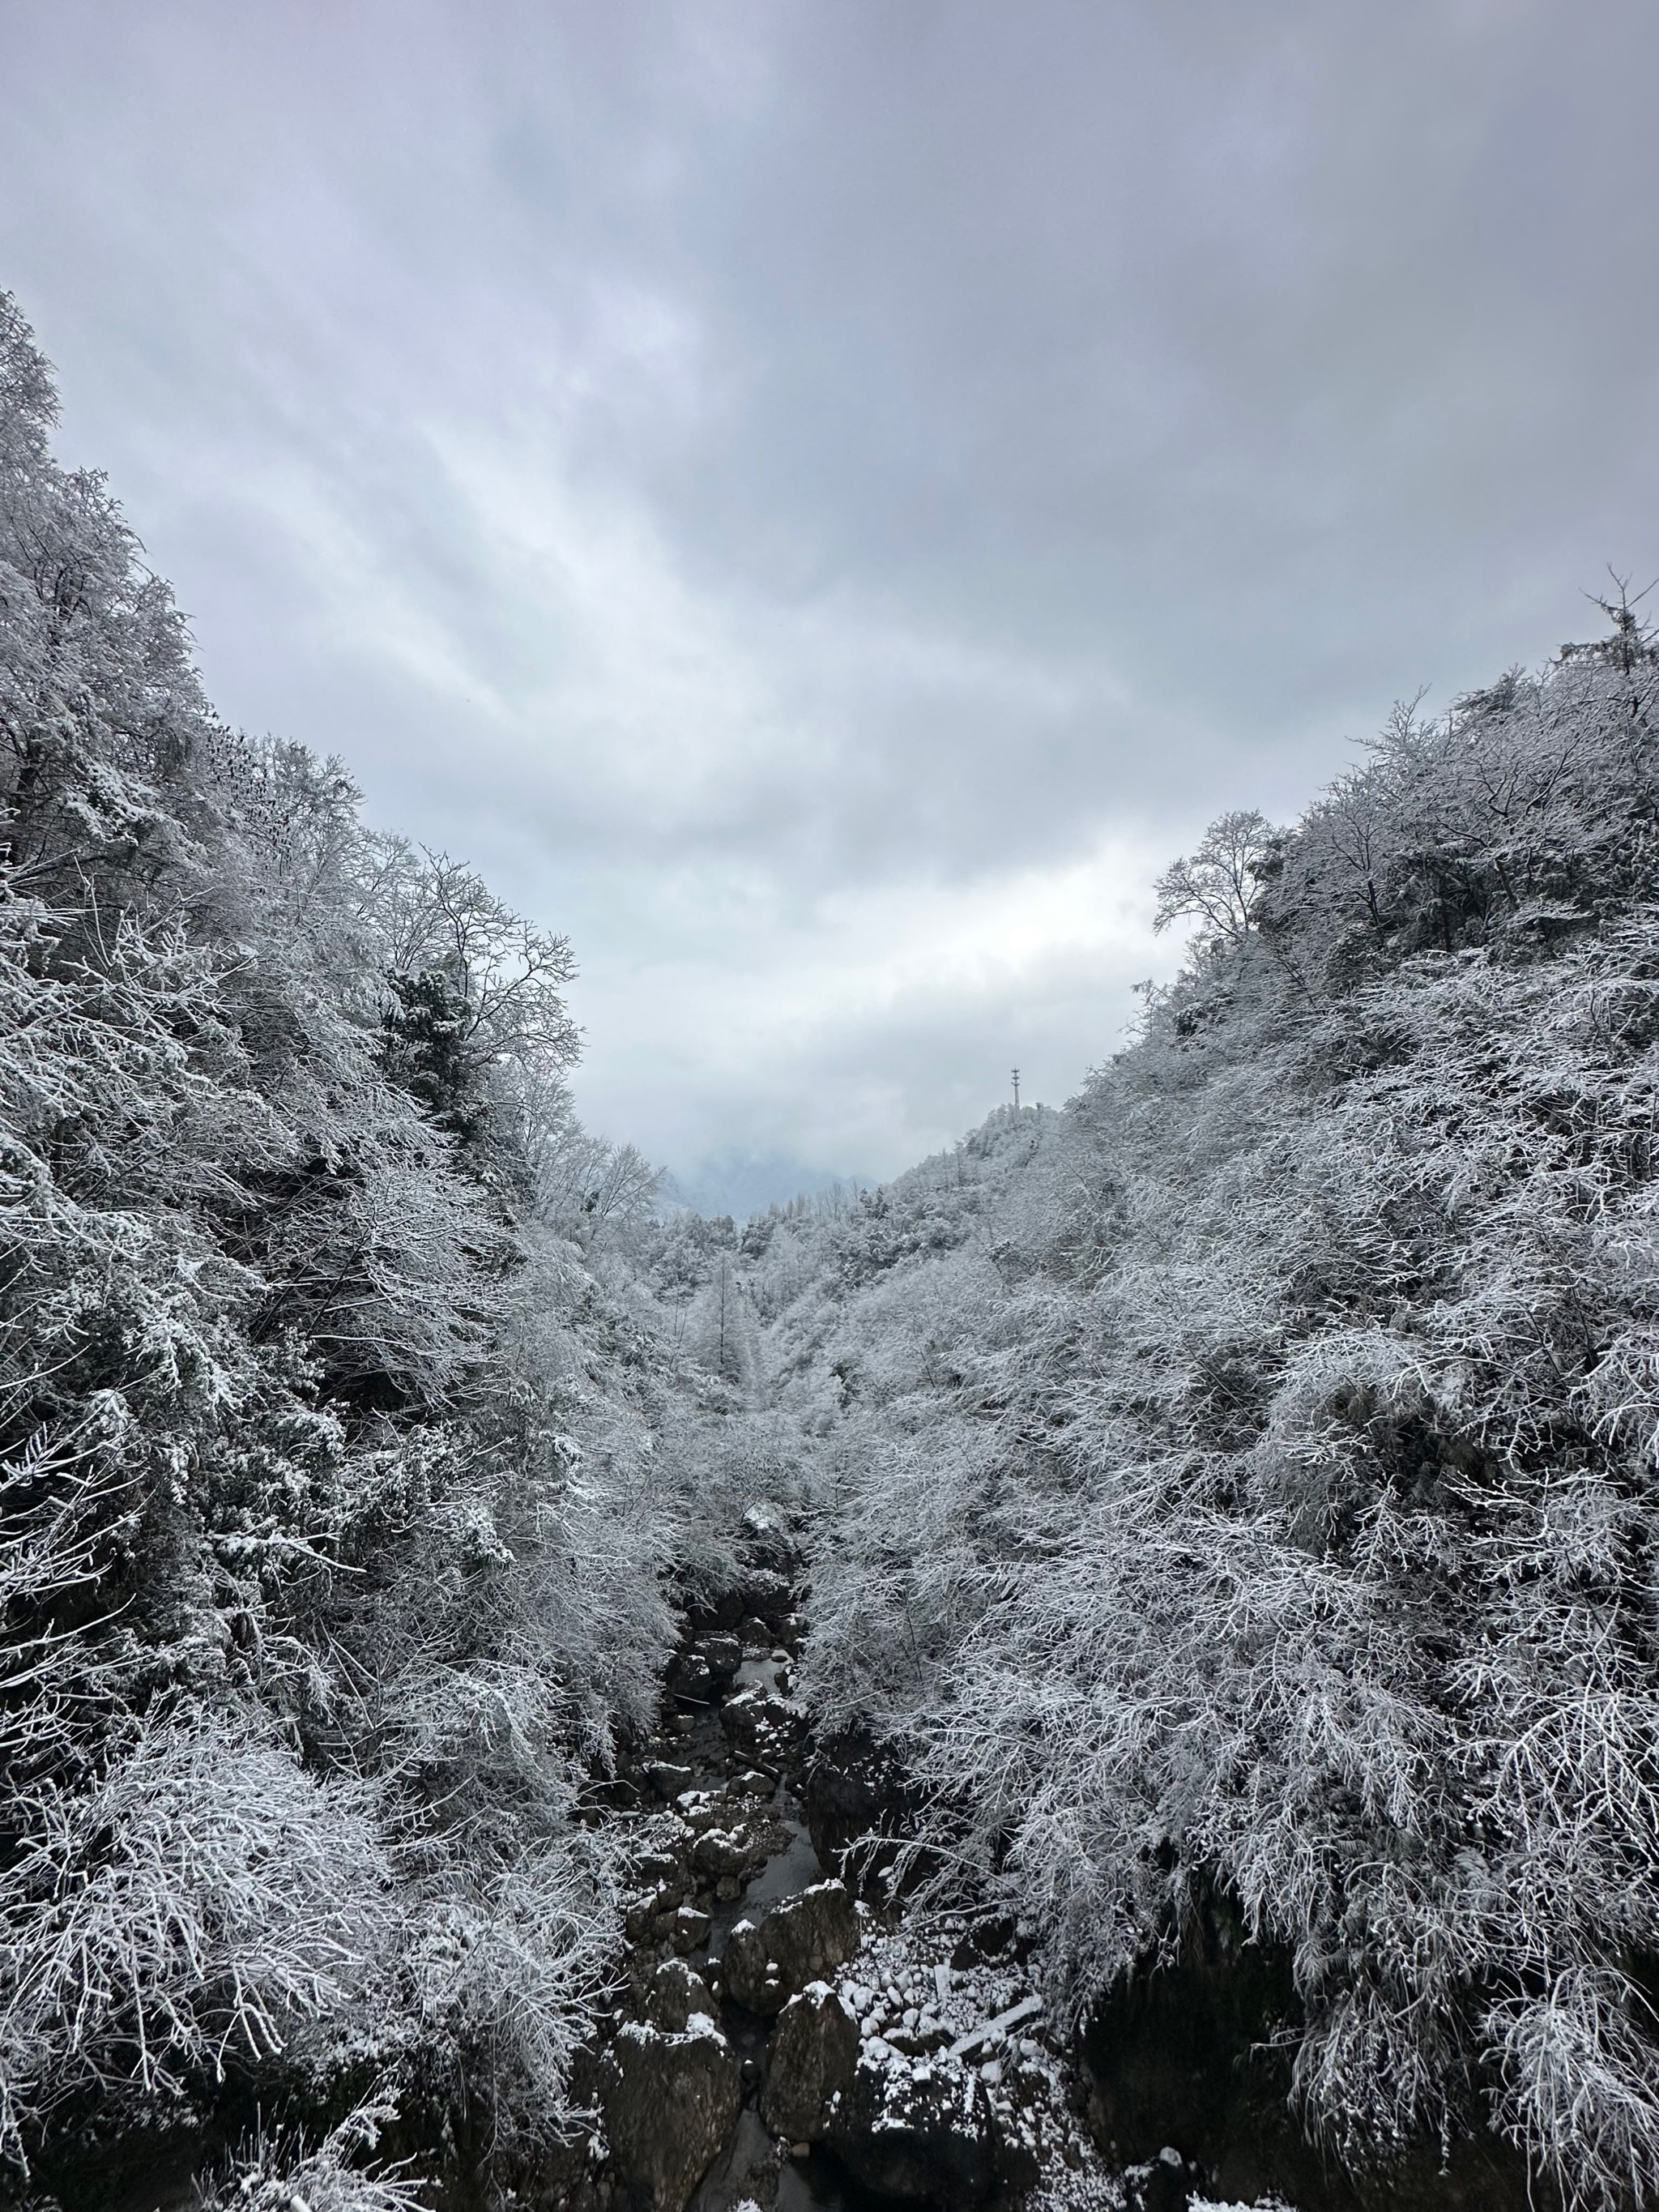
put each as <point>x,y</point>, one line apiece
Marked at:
<point>821,501</point>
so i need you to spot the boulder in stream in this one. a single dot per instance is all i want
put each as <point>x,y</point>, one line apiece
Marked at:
<point>759,1725</point>
<point>689,1929</point>
<point>676,1992</point>
<point>670,2101</point>
<point>916,2129</point>
<point>732,1851</point>
<point>810,1935</point>
<point>705,1664</point>
<point>814,2051</point>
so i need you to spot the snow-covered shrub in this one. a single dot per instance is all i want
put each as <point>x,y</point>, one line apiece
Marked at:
<point>176,1916</point>
<point>275,2173</point>
<point>509,1970</point>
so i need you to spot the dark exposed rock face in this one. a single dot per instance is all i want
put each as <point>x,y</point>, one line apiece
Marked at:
<point>745,2174</point>
<point>769,1542</point>
<point>853,1789</point>
<point>723,1611</point>
<point>814,2051</point>
<point>772,1561</point>
<point>1191,2057</point>
<point>765,1587</point>
<point>676,1994</point>
<point>1164,2184</point>
<point>986,1938</point>
<point>924,2133</point>
<point>768,1962</point>
<point>705,1664</point>
<point>669,2102</point>
<point>766,1596</point>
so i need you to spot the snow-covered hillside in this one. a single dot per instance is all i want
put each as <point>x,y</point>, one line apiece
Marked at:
<point>345,1498</point>
<point>1243,1483</point>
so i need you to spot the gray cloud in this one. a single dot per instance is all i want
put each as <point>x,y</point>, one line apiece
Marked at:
<point>821,500</point>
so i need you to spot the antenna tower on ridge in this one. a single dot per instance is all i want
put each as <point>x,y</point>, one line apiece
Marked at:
<point>1016,1090</point>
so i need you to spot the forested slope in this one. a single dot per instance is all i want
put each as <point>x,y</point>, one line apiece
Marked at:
<point>1247,1477</point>
<point>341,1509</point>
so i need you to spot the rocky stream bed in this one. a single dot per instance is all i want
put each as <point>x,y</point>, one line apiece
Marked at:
<point>790,2037</point>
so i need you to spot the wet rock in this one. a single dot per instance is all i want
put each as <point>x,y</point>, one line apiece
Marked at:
<point>853,1789</point>
<point>705,1664</point>
<point>724,1850</point>
<point>760,1726</point>
<point>814,2051</point>
<point>766,1596</point>
<point>677,1991</point>
<point>670,2101</point>
<point>746,2172</point>
<point>921,2129</point>
<point>754,1635</point>
<point>667,1780</point>
<point>806,1937</point>
<point>690,1928</point>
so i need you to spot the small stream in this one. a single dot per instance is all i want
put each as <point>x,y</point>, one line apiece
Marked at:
<point>749,2167</point>
<point>813,2183</point>
<point>788,1872</point>
<point>954,2076</point>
